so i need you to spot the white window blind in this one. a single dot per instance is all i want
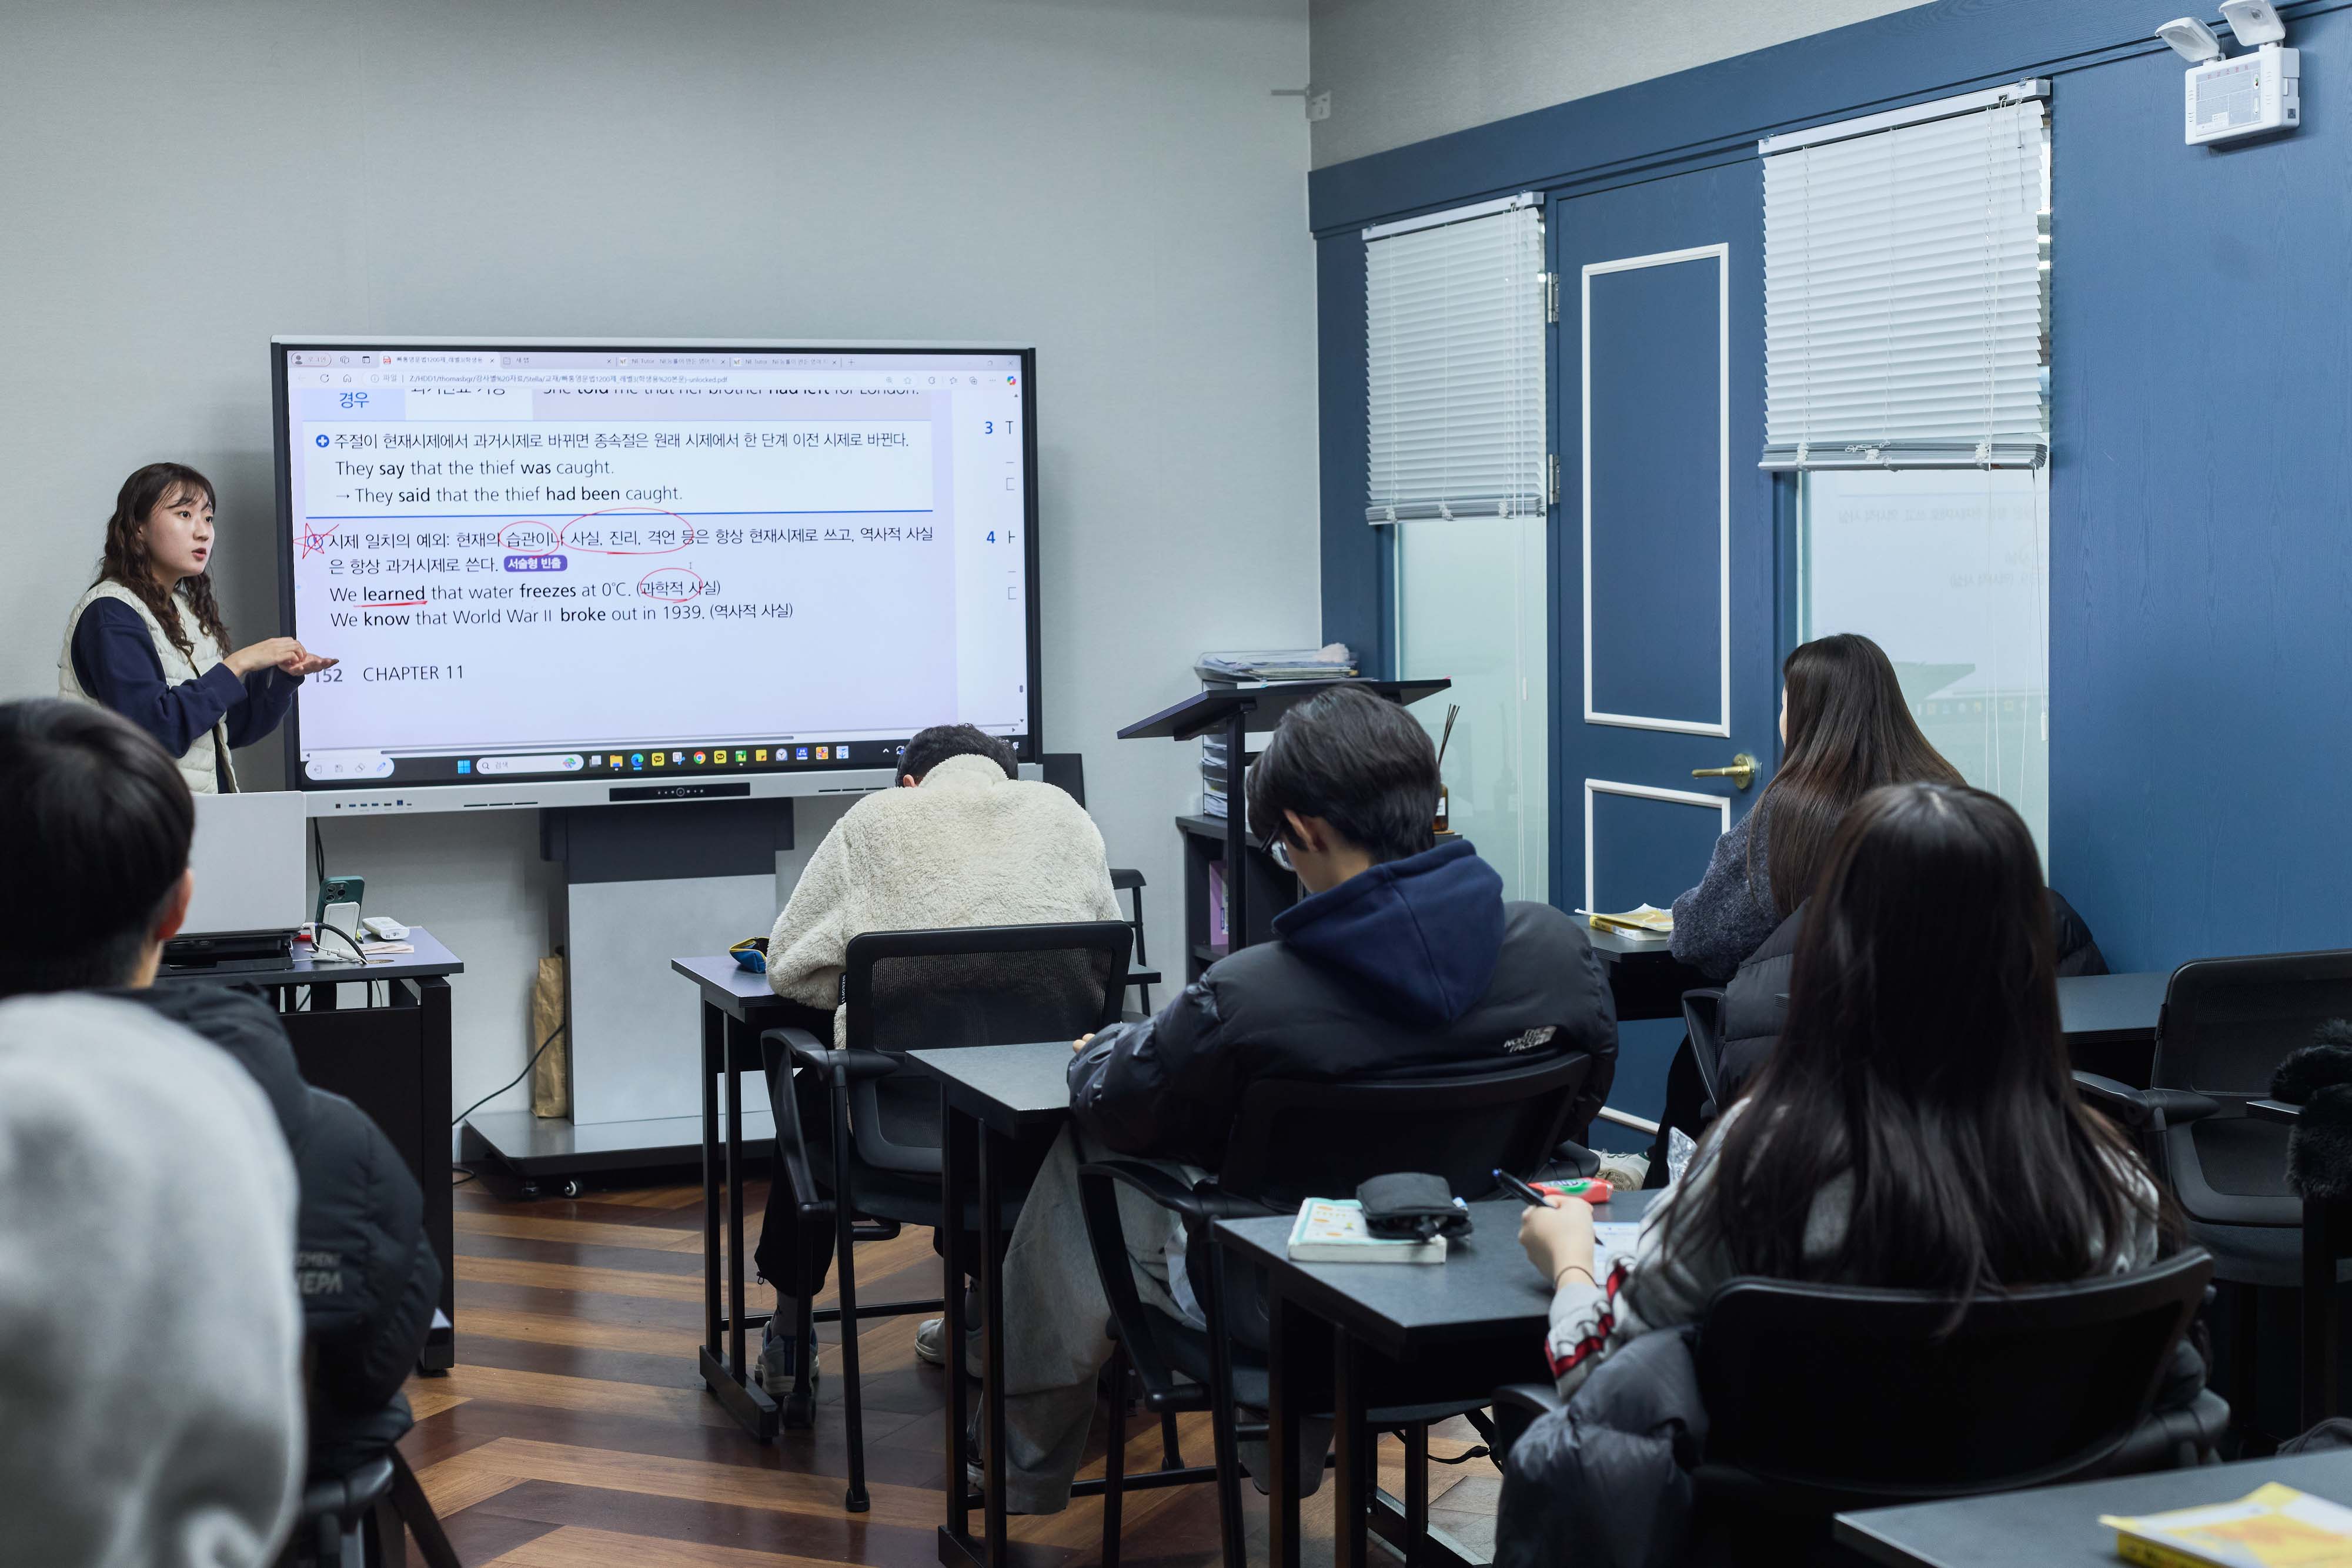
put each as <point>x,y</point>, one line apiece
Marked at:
<point>1454,326</point>
<point>1906,292</point>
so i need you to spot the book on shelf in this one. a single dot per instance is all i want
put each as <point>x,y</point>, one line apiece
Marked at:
<point>1332,1230</point>
<point>2271,1525</point>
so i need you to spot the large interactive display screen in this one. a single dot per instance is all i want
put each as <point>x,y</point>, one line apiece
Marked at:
<point>562,573</point>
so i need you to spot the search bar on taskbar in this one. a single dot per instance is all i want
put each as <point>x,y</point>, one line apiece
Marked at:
<point>565,762</point>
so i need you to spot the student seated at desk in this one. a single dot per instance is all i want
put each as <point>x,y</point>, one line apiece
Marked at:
<point>94,837</point>
<point>1916,1128</point>
<point>150,1343</point>
<point>1404,955</point>
<point>1845,730</point>
<point>964,840</point>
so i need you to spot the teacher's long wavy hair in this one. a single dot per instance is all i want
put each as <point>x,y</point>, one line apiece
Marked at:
<point>1850,731</point>
<point>128,563</point>
<point>1922,1059</point>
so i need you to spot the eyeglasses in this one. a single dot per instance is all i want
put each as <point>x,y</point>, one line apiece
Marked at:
<point>1280,850</point>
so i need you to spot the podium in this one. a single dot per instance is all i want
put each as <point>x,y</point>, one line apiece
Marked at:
<point>1232,709</point>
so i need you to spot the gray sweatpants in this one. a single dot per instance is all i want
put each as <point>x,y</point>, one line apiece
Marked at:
<point>1055,1314</point>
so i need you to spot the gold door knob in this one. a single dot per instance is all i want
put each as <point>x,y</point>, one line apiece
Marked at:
<point>1742,772</point>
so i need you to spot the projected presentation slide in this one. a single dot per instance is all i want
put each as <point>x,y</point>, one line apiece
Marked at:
<point>654,562</point>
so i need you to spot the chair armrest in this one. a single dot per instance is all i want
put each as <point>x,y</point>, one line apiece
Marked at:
<point>847,1066</point>
<point>2146,1109</point>
<point>1154,1184</point>
<point>779,1047</point>
<point>1125,878</point>
<point>1534,1398</point>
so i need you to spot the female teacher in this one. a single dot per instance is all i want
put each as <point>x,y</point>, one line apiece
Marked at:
<point>147,639</point>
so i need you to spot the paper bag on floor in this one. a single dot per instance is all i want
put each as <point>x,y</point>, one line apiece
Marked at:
<point>551,1080</point>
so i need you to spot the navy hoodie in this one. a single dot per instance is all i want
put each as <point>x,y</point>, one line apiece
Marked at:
<point>1418,964</point>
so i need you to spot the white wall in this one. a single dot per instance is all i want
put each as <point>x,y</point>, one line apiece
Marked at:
<point>1401,71</point>
<point>1108,179</point>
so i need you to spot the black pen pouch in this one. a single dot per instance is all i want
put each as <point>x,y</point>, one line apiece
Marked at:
<point>1406,1203</point>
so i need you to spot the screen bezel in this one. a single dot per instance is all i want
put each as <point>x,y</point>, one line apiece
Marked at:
<point>338,797</point>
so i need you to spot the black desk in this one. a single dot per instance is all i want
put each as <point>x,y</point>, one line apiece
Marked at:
<point>1645,976</point>
<point>993,1095</point>
<point>392,1061</point>
<point>2056,1526</point>
<point>736,1005</point>
<point>1480,1316</point>
<point>2110,1021</point>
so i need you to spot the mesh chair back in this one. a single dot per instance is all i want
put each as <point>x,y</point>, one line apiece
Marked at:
<point>1828,1393</point>
<point>980,985</point>
<point>1297,1138</point>
<point>2229,1022</point>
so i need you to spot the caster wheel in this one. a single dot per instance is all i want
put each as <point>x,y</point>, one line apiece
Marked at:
<point>531,1189</point>
<point>572,1189</point>
<point>797,1411</point>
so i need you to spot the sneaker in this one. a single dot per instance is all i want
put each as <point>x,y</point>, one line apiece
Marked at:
<point>779,1362</point>
<point>1625,1173</point>
<point>931,1346</point>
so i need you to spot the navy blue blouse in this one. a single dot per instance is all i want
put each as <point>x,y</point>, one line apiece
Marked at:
<point>115,661</point>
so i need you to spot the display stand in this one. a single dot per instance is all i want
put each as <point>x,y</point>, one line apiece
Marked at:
<point>1231,709</point>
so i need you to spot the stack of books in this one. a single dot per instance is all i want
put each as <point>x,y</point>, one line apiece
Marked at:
<point>1249,669</point>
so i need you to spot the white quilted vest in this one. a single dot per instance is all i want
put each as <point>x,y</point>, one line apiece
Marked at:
<point>208,750</point>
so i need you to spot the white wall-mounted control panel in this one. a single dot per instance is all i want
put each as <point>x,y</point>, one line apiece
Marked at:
<point>2247,95</point>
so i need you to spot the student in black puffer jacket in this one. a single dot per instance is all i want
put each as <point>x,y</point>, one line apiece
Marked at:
<point>96,839</point>
<point>1756,1000</point>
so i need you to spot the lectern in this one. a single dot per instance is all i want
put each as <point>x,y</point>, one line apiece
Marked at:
<point>1231,709</point>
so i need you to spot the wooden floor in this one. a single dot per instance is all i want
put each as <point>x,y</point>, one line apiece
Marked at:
<point>574,1433</point>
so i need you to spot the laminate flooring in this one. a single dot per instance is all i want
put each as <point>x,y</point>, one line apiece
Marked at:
<point>575,1432</point>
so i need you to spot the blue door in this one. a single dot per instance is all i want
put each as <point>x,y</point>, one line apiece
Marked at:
<point>1664,619</point>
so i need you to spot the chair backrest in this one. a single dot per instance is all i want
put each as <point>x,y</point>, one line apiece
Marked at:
<point>1703,1017</point>
<point>1065,771</point>
<point>1830,1395</point>
<point>2229,1022</point>
<point>973,985</point>
<point>1299,1138</point>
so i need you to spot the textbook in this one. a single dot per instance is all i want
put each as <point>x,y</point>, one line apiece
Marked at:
<point>1643,920</point>
<point>2270,1526</point>
<point>1331,1230</point>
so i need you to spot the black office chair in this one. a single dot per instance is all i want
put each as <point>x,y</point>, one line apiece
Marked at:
<point>1066,771</point>
<point>1823,1399</point>
<point>2227,1023</point>
<point>1703,1018</point>
<point>873,1146</point>
<point>360,1495</point>
<point>1294,1140</point>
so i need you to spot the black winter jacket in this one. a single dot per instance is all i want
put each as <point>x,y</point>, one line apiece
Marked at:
<point>1756,1000</point>
<point>1415,963</point>
<point>367,1272</point>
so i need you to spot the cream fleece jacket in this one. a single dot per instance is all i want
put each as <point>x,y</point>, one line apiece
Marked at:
<point>965,847</point>
<point>151,1339</point>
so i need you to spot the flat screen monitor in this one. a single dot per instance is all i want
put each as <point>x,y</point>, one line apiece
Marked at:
<point>577,573</point>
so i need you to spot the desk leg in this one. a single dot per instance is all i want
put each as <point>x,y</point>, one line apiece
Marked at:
<point>433,1027</point>
<point>991,1332</point>
<point>2323,1228</point>
<point>1286,1352</point>
<point>714,1058</point>
<point>1354,1478</point>
<point>955,1165</point>
<point>727,1379</point>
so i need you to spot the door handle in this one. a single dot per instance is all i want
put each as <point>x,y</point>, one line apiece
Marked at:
<point>1742,772</point>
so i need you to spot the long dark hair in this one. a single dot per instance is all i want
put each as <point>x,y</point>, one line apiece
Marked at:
<point>129,562</point>
<point>1850,731</point>
<point>1922,1058</point>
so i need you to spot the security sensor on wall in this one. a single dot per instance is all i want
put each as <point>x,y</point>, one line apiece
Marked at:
<point>2227,99</point>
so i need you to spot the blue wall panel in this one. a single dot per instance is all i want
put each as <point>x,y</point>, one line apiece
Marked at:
<point>1657,475</point>
<point>2200,584</point>
<point>1356,559</point>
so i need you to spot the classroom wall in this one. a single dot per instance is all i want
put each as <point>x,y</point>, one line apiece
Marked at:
<point>1109,179</point>
<point>2202,394</point>
<point>1401,71</point>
